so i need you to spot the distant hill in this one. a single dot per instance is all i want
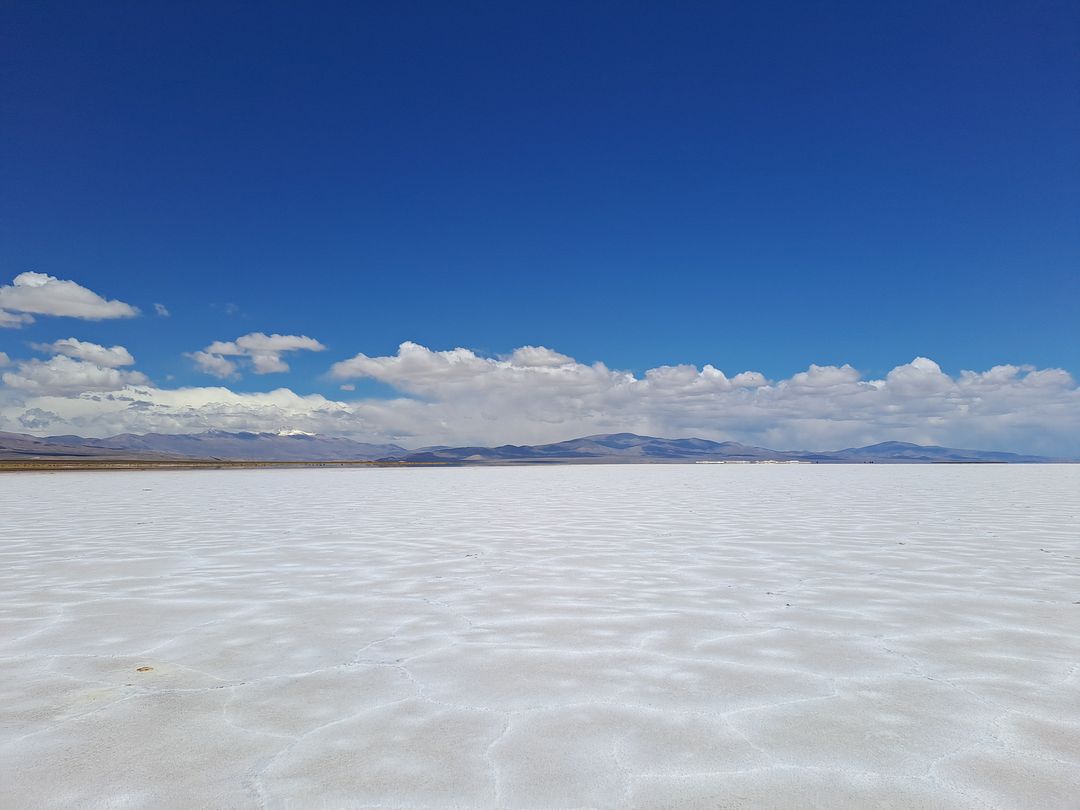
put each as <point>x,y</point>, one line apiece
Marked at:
<point>905,451</point>
<point>607,447</point>
<point>20,446</point>
<point>214,444</point>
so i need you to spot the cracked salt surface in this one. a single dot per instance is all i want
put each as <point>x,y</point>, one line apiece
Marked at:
<point>566,637</point>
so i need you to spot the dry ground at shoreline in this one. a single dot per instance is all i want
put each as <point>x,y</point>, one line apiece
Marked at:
<point>628,636</point>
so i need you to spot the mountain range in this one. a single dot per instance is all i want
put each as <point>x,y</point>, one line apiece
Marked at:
<point>608,447</point>
<point>629,447</point>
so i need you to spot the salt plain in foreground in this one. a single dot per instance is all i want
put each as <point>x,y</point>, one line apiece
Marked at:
<point>630,637</point>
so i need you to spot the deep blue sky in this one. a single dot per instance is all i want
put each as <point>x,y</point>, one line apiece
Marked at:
<point>756,185</point>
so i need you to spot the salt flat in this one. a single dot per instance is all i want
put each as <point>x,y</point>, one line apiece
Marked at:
<point>567,637</point>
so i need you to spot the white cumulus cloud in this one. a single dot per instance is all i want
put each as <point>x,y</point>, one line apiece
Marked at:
<point>62,375</point>
<point>214,364</point>
<point>161,310</point>
<point>112,357</point>
<point>263,353</point>
<point>13,320</point>
<point>32,294</point>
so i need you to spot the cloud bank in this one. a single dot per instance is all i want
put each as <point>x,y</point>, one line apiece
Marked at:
<point>536,394</point>
<point>31,294</point>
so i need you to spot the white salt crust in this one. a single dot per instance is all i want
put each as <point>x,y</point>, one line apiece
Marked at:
<point>611,637</point>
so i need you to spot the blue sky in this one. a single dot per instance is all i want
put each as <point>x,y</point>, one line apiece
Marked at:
<point>753,186</point>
